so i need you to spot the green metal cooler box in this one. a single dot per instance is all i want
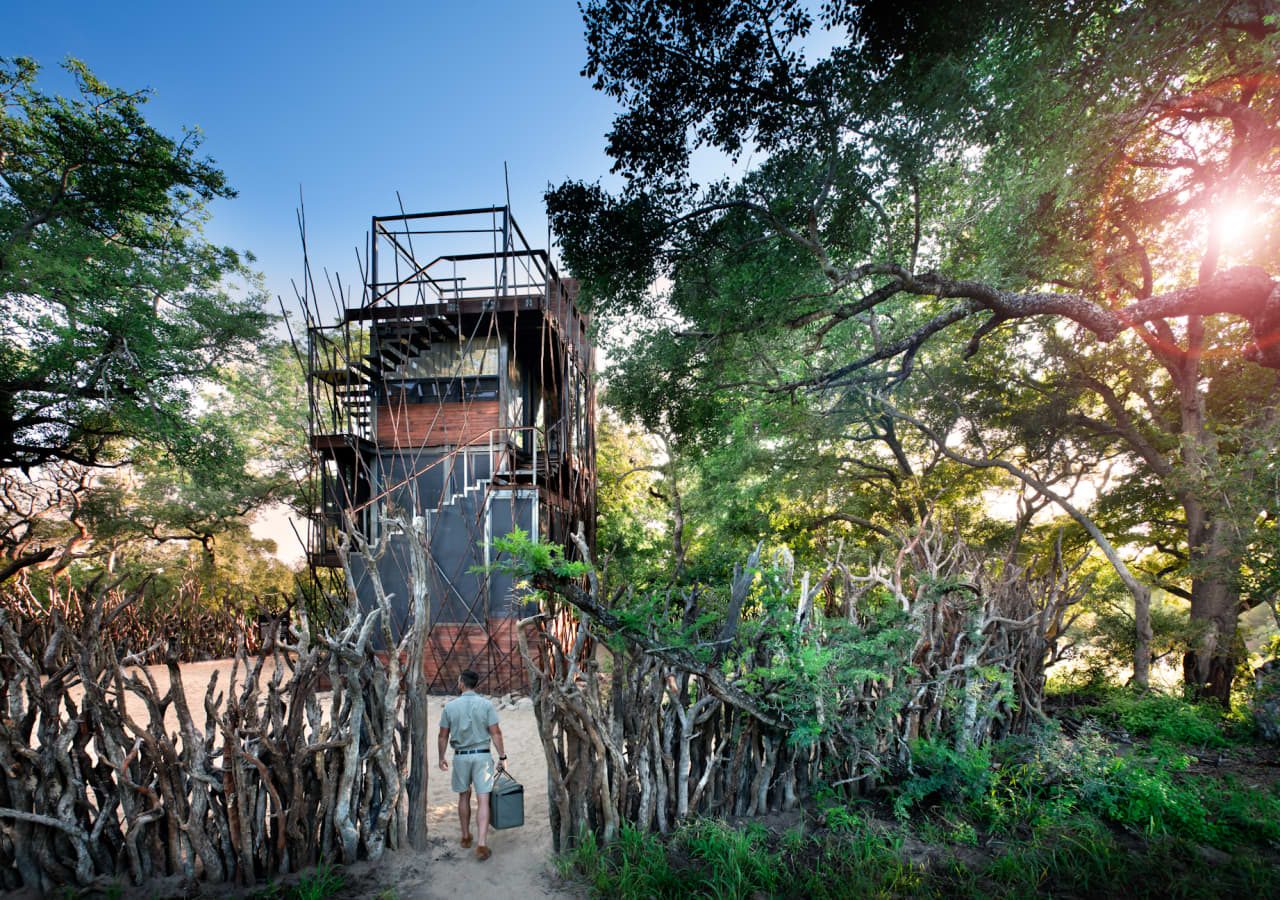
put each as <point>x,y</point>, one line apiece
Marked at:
<point>506,803</point>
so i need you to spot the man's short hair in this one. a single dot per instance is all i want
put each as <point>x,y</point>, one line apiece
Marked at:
<point>470,678</point>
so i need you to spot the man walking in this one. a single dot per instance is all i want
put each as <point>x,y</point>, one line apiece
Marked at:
<point>468,723</point>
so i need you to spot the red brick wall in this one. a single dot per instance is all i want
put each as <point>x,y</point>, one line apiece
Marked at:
<point>492,652</point>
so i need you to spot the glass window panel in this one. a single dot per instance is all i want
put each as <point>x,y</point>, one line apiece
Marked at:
<point>469,359</point>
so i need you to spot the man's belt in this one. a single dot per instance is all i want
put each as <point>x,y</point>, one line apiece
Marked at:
<point>465,752</point>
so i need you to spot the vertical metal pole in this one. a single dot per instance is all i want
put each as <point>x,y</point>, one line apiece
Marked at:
<point>375,487</point>
<point>506,227</point>
<point>373,258</point>
<point>506,246</point>
<point>488,544</point>
<point>493,242</point>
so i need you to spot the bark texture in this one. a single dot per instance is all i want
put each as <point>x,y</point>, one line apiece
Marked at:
<point>306,765</point>
<point>660,733</point>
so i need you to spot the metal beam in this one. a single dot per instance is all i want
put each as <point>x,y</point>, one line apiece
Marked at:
<point>438,215</point>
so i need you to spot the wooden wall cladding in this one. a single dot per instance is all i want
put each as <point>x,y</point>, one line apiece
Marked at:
<point>403,424</point>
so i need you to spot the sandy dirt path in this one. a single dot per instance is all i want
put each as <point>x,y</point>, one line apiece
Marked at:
<point>521,862</point>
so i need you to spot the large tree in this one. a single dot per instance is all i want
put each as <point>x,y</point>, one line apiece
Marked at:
<point>1091,192</point>
<point>115,312</point>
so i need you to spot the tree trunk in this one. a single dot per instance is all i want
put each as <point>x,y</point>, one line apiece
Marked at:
<point>1142,635</point>
<point>1209,665</point>
<point>419,744</point>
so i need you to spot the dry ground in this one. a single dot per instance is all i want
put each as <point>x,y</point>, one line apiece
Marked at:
<point>521,862</point>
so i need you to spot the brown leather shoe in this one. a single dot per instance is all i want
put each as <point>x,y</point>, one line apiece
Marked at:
<point>482,853</point>
<point>466,841</point>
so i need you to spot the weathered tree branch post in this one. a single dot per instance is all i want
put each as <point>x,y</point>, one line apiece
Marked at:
<point>721,719</point>
<point>416,700</point>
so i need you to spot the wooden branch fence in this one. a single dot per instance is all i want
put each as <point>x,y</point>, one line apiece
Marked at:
<point>144,631</point>
<point>709,729</point>
<point>105,777</point>
<point>317,750</point>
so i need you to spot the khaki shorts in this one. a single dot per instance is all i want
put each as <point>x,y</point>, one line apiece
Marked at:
<point>472,768</point>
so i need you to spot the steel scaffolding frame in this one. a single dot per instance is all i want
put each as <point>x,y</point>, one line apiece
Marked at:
<point>518,428</point>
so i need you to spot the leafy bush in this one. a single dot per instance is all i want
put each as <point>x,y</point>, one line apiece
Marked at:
<point>1084,686</point>
<point>1037,783</point>
<point>527,557</point>
<point>1167,718</point>
<point>1146,799</point>
<point>955,775</point>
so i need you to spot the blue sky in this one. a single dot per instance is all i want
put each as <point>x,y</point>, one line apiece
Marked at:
<point>349,101</point>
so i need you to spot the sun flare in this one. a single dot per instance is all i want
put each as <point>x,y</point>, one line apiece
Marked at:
<point>1235,223</point>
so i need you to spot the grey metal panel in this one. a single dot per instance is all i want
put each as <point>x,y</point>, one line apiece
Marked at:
<point>453,478</point>
<point>456,549</point>
<point>501,522</point>
<point>460,524</point>
<point>510,510</point>
<point>398,467</point>
<point>480,465</point>
<point>394,569</point>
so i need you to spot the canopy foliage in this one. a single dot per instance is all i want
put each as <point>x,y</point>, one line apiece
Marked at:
<point>1027,237</point>
<point>117,316</point>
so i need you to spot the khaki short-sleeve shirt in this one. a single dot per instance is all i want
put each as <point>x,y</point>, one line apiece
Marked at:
<point>468,719</point>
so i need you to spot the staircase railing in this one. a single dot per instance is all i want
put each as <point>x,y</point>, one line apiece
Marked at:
<point>487,438</point>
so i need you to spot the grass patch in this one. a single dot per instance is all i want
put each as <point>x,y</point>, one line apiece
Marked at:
<point>1082,859</point>
<point>1079,857</point>
<point>319,884</point>
<point>1096,812</point>
<point>1027,785</point>
<point>711,859</point>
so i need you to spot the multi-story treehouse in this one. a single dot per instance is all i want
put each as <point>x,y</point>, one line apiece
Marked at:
<point>457,395</point>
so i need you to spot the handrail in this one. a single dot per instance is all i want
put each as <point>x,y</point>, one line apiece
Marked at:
<point>508,251</point>
<point>421,270</point>
<point>487,435</point>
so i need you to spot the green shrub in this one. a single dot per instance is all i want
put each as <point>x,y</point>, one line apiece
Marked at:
<point>1166,717</point>
<point>1056,802</point>
<point>1089,685</point>
<point>940,771</point>
<point>1146,799</point>
<point>525,556</point>
<point>1036,783</point>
